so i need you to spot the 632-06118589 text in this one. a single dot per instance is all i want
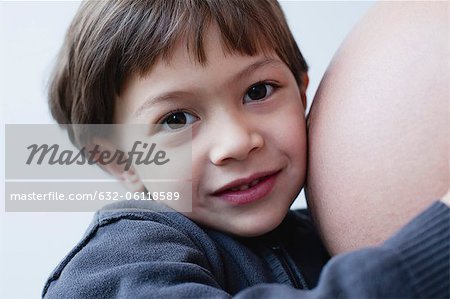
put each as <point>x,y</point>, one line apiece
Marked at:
<point>98,195</point>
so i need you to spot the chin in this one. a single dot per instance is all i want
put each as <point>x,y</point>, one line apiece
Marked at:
<point>258,224</point>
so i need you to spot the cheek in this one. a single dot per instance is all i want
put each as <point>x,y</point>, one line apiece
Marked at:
<point>295,145</point>
<point>200,178</point>
<point>290,133</point>
<point>287,143</point>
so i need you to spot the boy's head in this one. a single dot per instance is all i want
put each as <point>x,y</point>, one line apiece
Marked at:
<point>229,70</point>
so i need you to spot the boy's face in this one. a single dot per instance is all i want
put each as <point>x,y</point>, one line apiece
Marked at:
<point>247,121</point>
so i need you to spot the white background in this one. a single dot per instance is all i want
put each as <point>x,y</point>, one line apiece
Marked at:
<point>31,33</point>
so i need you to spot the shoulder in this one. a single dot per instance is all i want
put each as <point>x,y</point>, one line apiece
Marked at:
<point>128,238</point>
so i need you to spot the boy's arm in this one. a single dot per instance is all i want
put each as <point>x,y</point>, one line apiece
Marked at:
<point>414,263</point>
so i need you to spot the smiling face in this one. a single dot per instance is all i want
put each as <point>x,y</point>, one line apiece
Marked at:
<point>247,119</point>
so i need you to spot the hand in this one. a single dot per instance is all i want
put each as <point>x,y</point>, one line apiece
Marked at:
<point>446,198</point>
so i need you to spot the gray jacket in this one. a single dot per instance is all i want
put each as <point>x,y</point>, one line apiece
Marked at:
<point>131,251</point>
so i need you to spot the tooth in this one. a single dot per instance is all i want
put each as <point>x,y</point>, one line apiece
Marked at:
<point>253,183</point>
<point>244,187</point>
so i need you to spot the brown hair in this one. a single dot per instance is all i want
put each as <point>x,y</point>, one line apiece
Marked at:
<point>110,40</point>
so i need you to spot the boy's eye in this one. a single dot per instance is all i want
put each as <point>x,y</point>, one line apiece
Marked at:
<point>177,120</point>
<point>258,92</point>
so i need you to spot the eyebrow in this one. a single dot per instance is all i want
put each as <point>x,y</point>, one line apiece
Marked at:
<point>161,98</point>
<point>179,94</point>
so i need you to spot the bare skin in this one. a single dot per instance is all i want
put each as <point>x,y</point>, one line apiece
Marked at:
<point>446,198</point>
<point>379,126</point>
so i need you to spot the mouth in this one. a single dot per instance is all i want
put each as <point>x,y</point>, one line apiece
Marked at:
<point>243,191</point>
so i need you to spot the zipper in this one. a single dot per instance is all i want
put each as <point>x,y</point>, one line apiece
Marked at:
<point>298,280</point>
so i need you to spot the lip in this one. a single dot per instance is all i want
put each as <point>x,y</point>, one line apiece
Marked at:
<point>256,192</point>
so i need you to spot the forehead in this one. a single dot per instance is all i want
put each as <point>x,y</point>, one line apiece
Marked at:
<point>181,58</point>
<point>216,51</point>
<point>219,61</point>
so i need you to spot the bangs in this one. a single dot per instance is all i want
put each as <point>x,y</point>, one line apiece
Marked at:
<point>246,28</point>
<point>110,41</point>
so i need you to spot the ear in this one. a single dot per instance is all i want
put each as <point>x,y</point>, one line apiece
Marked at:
<point>111,159</point>
<point>303,87</point>
<point>132,181</point>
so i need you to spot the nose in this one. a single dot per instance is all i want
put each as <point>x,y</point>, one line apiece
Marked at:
<point>234,140</point>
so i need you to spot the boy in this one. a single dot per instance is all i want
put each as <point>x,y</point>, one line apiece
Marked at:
<point>231,72</point>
